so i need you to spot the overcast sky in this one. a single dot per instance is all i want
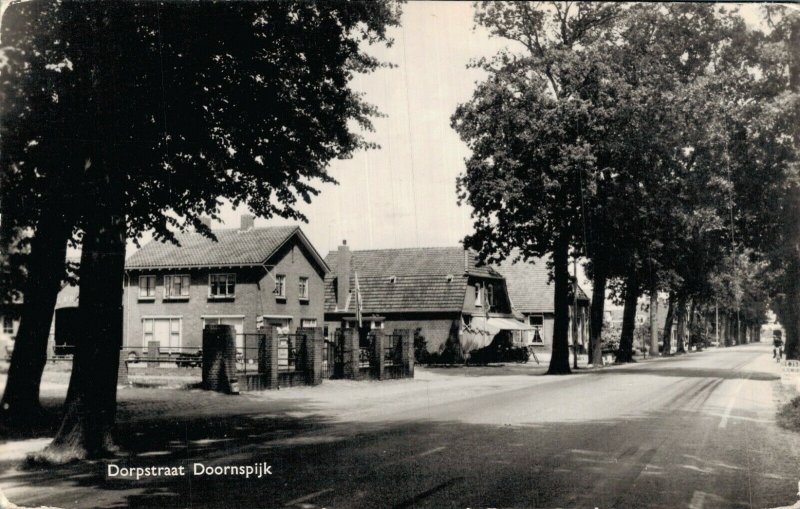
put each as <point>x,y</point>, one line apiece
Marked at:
<point>404,194</point>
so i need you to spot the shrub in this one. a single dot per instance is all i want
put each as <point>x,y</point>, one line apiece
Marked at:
<point>421,354</point>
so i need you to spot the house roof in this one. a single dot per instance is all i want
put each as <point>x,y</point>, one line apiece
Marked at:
<point>234,247</point>
<point>529,285</point>
<point>414,279</point>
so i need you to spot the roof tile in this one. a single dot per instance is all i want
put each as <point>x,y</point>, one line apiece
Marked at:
<point>420,283</point>
<point>233,247</point>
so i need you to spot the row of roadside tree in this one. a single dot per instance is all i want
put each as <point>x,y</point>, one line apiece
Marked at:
<point>657,141</point>
<point>120,118</point>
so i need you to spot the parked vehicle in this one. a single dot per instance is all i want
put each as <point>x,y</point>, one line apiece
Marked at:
<point>181,359</point>
<point>501,349</point>
<point>190,360</point>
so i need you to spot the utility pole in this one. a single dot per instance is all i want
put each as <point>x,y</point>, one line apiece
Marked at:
<point>575,313</point>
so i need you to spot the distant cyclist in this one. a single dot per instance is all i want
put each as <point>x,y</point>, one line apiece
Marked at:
<point>777,350</point>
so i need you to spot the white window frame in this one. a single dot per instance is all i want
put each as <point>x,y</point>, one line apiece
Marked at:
<point>168,278</point>
<point>540,326</point>
<point>147,288</point>
<point>204,319</point>
<point>478,295</point>
<point>304,325</point>
<point>280,279</point>
<point>171,318</point>
<point>376,324</point>
<point>303,289</point>
<point>8,325</point>
<point>228,276</point>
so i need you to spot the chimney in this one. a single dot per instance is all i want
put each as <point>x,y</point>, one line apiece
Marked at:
<point>342,275</point>
<point>246,222</point>
<point>206,221</point>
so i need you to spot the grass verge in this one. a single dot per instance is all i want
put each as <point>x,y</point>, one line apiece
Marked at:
<point>789,415</point>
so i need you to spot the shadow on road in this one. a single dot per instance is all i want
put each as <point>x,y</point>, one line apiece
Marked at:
<point>686,372</point>
<point>414,463</point>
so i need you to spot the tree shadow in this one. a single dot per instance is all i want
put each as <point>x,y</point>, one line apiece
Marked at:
<point>316,461</point>
<point>688,372</point>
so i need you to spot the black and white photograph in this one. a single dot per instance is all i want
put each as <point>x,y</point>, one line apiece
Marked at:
<point>315,254</point>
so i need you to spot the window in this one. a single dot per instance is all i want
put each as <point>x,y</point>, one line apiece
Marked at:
<point>236,321</point>
<point>537,334</point>
<point>221,285</point>
<point>280,286</point>
<point>8,325</point>
<point>176,287</point>
<point>147,287</point>
<point>147,326</point>
<point>303,288</point>
<point>490,294</point>
<point>478,296</point>
<point>308,323</point>
<point>376,324</point>
<point>165,331</point>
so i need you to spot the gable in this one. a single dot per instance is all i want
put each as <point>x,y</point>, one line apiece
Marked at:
<point>529,285</point>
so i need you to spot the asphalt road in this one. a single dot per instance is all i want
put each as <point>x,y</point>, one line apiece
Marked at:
<point>695,431</point>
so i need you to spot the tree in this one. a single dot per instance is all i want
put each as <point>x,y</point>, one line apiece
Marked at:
<point>530,128</point>
<point>41,166</point>
<point>254,101</point>
<point>781,243</point>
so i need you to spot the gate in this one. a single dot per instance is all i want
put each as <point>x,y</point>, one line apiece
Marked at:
<point>333,356</point>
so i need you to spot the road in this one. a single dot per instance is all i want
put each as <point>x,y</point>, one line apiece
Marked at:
<point>695,431</point>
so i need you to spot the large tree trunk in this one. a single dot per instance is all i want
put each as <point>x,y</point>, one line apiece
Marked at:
<point>691,339</point>
<point>45,269</point>
<point>90,407</point>
<point>666,336</point>
<point>597,310</point>
<point>790,317</point>
<point>653,320</point>
<point>559,360</point>
<point>680,314</point>
<point>728,330</point>
<point>625,352</point>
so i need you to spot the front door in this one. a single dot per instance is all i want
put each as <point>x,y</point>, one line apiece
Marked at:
<point>281,326</point>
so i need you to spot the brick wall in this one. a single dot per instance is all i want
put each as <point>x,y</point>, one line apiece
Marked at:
<point>254,297</point>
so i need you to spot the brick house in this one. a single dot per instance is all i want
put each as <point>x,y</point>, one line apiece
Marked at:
<point>532,297</point>
<point>9,324</point>
<point>250,277</point>
<point>441,291</point>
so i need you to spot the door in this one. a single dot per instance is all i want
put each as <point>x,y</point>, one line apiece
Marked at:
<point>238,324</point>
<point>282,329</point>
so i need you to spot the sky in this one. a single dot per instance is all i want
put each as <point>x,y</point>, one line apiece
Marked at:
<point>404,194</point>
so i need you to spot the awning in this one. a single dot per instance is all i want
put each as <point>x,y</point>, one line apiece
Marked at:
<point>495,325</point>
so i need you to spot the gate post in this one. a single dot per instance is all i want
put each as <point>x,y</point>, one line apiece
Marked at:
<point>219,358</point>
<point>268,357</point>
<point>352,351</point>
<point>378,360</point>
<point>312,346</point>
<point>407,351</point>
<point>153,352</point>
<point>122,371</point>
